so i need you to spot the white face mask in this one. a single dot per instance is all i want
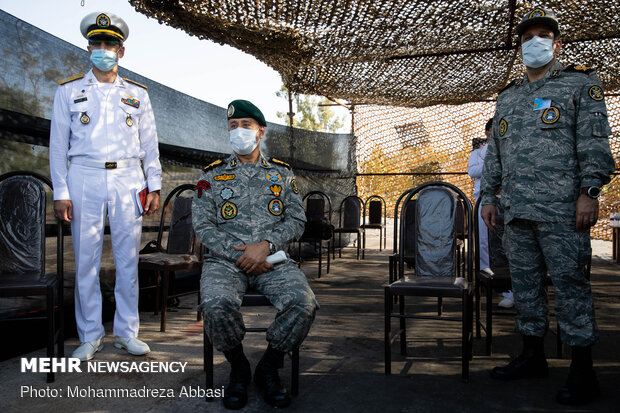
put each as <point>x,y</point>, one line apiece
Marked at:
<point>537,52</point>
<point>243,141</point>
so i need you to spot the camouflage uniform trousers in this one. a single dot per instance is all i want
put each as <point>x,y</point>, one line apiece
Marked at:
<point>222,287</point>
<point>535,248</point>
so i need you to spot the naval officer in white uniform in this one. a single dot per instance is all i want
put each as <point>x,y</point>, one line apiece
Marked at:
<point>102,127</point>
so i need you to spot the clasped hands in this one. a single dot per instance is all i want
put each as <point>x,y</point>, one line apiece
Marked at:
<point>253,261</point>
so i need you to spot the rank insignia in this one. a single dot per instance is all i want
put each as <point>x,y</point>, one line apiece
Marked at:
<point>229,210</point>
<point>129,121</point>
<point>85,119</point>
<point>551,115</point>
<point>276,189</point>
<point>555,73</point>
<point>226,193</point>
<point>518,82</point>
<point>596,92</point>
<point>133,102</point>
<point>503,127</point>
<point>225,177</point>
<point>103,20</point>
<point>264,162</point>
<point>294,186</point>
<point>276,207</point>
<point>274,176</point>
<point>202,185</point>
<point>233,163</point>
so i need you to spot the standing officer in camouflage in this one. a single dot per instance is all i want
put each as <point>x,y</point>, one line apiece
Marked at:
<point>246,208</point>
<point>550,154</point>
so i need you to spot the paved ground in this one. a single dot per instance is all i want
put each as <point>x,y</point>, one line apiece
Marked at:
<point>341,360</point>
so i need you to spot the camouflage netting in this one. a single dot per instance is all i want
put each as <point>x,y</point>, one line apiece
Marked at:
<point>423,55</point>
<point>404,53</point>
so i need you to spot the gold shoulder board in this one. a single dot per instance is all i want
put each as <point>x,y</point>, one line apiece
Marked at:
<point>213,165</point>
<point>579,68</point>
<point>70,79</point>
<point>278,162</point>
<point>135,83</point>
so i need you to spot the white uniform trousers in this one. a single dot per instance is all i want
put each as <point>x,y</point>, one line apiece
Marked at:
<point>94,193</point>
<point>483,236</point>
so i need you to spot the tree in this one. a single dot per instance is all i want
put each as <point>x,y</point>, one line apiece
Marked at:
<point>310,115</point>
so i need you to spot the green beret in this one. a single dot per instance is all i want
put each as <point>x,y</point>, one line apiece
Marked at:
<point>245,109</point>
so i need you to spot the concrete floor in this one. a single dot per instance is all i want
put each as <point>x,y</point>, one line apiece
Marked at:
<point>342,366</point>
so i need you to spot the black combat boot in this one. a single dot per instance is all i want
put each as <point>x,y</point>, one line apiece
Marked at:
<point>531,363</point>
<point>236,393</point>
<point>266,377</point>
<point>581,386</point>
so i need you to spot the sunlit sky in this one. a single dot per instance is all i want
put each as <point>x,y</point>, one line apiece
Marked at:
<point>203,69</point>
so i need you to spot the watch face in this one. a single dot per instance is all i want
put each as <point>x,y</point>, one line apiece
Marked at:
<point>594,192</point>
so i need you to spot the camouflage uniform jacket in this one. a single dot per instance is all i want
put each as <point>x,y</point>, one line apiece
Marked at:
<point>541,158</point>
<point>238,204</point>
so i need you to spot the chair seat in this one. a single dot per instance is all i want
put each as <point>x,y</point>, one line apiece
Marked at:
<point>372,226</point>
<point>12,283</point>
<point>253,298</point>
<point>171,262</point>
<point>500,273</point>
<point>430,286</point>
<point>347,230</point>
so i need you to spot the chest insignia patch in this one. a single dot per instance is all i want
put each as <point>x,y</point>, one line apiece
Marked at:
<point>596,92</point>
<point>85,119</point>
<point>276,207</point>
<point>133,102</point>
<point>503,127</point>
<point>226,193</point>
<point>275,189</point>
<point>225,177</point>
<point>229,210</point>
<point>202,185</point>
<point>294,186</point>
<point>551,115</point>
<point>274,176</point>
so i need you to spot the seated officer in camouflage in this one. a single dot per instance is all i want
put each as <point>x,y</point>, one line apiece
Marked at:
<point>246,208</point>
<point>549,153</point>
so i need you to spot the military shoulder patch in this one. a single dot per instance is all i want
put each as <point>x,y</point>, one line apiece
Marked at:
<point>508,86</point>
<point>213,165</point>
<point>579,69</point>
<point>133,82</point>
<point>70,79</point>
<point>278,162</point>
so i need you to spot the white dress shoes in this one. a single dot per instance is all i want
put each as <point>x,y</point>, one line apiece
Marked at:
<point>87,350</point>
<point>132,345</point>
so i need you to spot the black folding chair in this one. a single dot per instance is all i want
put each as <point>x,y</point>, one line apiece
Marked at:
<point>22,253</point>
<point>318,228</point>
<point>349,223</point>
<point>181,253</point>
<point>435,273</point>
<point>376,207</point>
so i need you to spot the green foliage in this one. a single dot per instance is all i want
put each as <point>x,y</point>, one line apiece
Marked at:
<point>310,115</point>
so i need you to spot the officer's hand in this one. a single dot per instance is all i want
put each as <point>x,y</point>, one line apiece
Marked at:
<point>152,203</point>
<point>587,212</point>
<point>63,209</point>
<point>488,216</point>
<point>253,259</point>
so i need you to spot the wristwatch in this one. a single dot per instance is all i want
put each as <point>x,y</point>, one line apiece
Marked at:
<point>592,191</point>
<point>272,248</point>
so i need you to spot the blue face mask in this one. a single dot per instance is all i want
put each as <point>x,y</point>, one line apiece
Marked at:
<point>537,52</point>
<point>103,59</point>
<point>243,141</point>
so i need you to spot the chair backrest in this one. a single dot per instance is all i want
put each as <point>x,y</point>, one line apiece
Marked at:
<point>397,213</point>
<point>22,224</point>
<point>435,234</point>
<point>318,208</point>
<point>375,212</point>
<point>350,212</point>
<point>181,237</point>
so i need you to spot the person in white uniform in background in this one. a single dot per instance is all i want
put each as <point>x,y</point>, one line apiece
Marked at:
<point>476,162</point>
<point>103,126</point>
